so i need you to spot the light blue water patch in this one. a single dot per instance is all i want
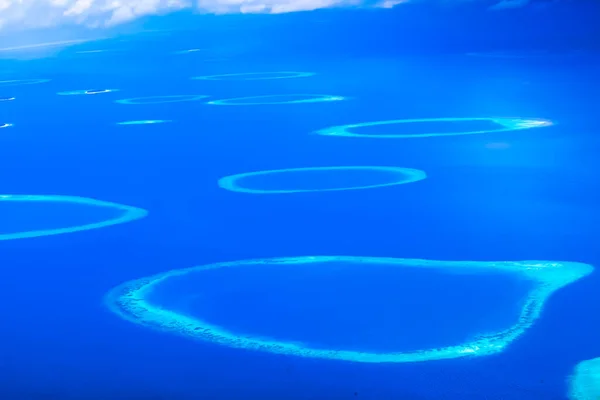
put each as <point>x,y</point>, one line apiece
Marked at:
<point>584,383</point>
<point>86,92</point>
<point>501,125</point>
<point>19,82</point>
<point>319,179</point>
<point>136,301</point>
<point>176,98</point>
<point>6,99</point>
<point>277,99</point>
<point>144,122</point>
<point>28,216</point>
<point>255,76</point>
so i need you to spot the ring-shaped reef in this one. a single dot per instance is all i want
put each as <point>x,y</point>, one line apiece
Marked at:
<point>130,302</point>
<point>88,92</point>
<point>19,82</point>
<point>176,98</point>
<point>255,76</point>
<point>400,176</point>
<point>144,122</point>
<point>505,125</point>
<point>276,99</point>
<point>128,213</point>
<point>584,383</point>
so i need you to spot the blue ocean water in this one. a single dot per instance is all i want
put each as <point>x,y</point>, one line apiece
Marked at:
<point>529,194</point>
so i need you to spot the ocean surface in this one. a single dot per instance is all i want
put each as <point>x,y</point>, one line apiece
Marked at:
<point>511,195</point>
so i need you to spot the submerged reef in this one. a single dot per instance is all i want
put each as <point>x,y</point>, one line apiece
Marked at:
<point>162,99</point>
<point>504,125</point>
<point>128,213</point>
<point>131,302</point>
<point>585,381</point>
<point>189,51</point>
<point>5,125</point>
<point>18,82</point>
<point>276,99</point>
<point>92,51</point>
<point>89,92</point>
<point>400,176</point>
<point>255,76</point>
<point>144,122</point>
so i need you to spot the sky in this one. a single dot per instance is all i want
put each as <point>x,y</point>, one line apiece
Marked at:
<point>34,14</point>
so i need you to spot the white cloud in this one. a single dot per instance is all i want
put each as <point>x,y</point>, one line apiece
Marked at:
<point>45,13</point>
<point>25,14</point>
<point>95,13</point>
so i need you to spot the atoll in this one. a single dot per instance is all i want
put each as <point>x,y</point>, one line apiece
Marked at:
<point>18,82</point>
<point>130,302</point>
<point>128,213</point>
<point>189,51</point>
<point>162,99</point>
<point>504,125</point>
<point>400,176</point>
<point>584,383</point>
<point>276,99</point>
<point>255,76</point>
<point>88,92</point>
<point>144,122</point>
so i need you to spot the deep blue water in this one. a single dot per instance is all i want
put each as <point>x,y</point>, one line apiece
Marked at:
<point>362,307</point>
<point>522,195</point>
